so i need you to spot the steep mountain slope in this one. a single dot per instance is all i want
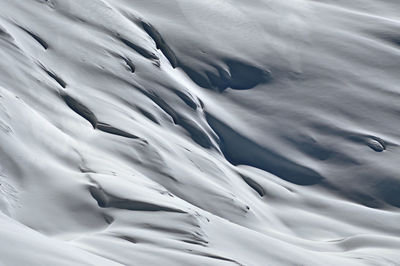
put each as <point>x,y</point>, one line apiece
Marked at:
<point>218,132</point>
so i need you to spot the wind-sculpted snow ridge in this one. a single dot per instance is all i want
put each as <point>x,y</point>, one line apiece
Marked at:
<point>202,132</point>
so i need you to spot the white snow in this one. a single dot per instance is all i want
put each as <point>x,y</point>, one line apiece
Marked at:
<point>201,132</point>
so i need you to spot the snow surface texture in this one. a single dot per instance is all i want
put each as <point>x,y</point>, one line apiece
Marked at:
<point>199,132</point>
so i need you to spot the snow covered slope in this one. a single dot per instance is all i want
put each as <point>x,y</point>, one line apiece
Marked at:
<point>199,132</point>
